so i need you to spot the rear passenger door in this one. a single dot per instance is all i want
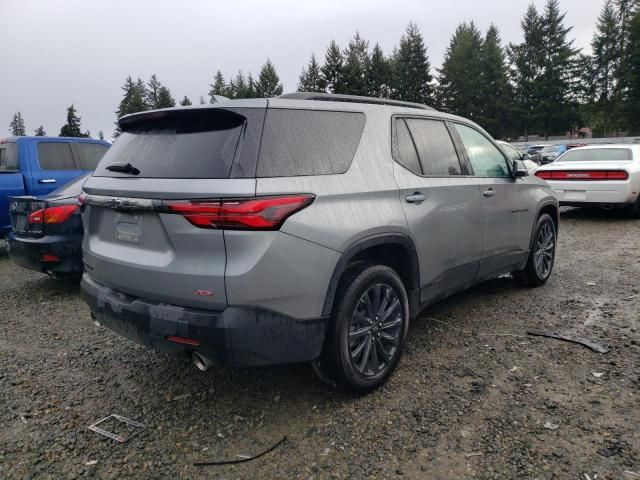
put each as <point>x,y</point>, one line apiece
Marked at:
<point>505,203</point>
<point>52,165</point>
<point>443,209</point>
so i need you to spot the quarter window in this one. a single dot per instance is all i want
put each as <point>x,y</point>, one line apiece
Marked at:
<point>55,156</point>
<point>407,155</point>
<point>485,158</point>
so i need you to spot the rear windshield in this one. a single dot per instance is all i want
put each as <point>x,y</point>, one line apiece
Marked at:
<point>551,148</point>
<point>183,147</point>
<point>596,155</point>
<point>308,142</point>
<point>8,157</point>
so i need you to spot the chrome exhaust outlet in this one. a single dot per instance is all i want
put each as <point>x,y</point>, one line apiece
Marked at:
<point>202,363</point>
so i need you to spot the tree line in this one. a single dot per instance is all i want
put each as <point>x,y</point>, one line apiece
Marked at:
<point>543,85</point>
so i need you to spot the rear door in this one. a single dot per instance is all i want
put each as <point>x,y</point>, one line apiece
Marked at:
<point>133,242</point>
<point>52,165</point>
<point>441,204</point>
<point>505,203</point>
<point>11,182</point>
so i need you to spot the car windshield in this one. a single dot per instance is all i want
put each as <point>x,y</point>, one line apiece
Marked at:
<point>597,155</point>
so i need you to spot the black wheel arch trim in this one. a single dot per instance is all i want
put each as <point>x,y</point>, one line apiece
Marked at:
<point>363,244</point>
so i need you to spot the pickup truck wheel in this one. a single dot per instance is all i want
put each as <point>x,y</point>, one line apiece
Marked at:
<point>542,256</point>
<point>367,330</point>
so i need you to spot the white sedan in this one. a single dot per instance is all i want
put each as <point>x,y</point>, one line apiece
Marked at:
<point>603,175</point>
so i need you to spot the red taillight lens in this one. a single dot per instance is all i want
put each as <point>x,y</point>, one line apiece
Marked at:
<point>583,175</point>
<point>261,213</point>
<point>183,340</point>
<point>52,215</point>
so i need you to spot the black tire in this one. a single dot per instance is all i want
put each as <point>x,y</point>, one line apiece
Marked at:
<point>383,342</point>
<point>633,210</point>
<point>542,256</point>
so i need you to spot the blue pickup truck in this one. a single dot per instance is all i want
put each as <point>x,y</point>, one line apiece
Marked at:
<point>38,165</point>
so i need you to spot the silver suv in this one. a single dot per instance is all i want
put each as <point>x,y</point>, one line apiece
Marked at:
<point>308,227</point>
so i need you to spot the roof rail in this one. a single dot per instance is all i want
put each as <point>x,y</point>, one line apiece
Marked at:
<point>335,97</point>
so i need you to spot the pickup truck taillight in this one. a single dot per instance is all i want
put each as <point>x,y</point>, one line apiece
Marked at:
<point>257,213</point>
<point>53,215</point>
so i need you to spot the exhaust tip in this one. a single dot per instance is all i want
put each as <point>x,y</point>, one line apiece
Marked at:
<point>202,363</point>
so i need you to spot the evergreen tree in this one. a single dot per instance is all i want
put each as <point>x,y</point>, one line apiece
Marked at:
<point>625,10</point>
<point>203,102</point>
<point>16,126</point>
<point>100,135</point>
<point>460,78</point>
<point>165,99</point>
<point>412,76</point>
<point>218,87</point>
<point>72,127</point>
<point>185,101</point>
<point>527,65</point>
<point>134,99</point>
<point>239,87</point>
<point>311,77</point>
<point>632,104</point>
<point>268,81</point>
<point>606,58</point>
<point>252,87</point>
<point>356,66</point>
<point>495,97</point>
<point>332,76</point>
<point>379,73</point>
<point>153,91</point>
<point>39,132</point>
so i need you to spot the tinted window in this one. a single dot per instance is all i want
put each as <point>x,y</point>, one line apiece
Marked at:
<point>406,150</point>
<point>90,154</point>
<point>596,155</point>
<point>437,154</point>
<point>55,156</point>
<point>485,158</point>
<point>308,142</point>
<point>511,152</point>
<point>9,157</point>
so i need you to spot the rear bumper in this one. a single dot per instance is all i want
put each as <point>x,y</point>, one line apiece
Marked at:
<point>610,192</point>
<point>236,336</point>
<point>28,252</point>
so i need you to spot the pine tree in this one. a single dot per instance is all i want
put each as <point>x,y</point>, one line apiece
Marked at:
<point>39,132</point>
<point>134,100</point>
<point>100,135</point>
<point>459,81</point>
<point>311,77</point>
<point>16,126</point>
<point>165,99</point>
<point>495,96</point>
<point>239,87</point>
<point>378,75</point>
<point>203,102</point>
<point>356,66</point>
<point>632,104</point>
<point>153,91</point>
<point>218,87</point>
<point>332,75</point>
<point>185,101</point>
<point>625,11</point>
<point>527,65</point>
<point>606,58</point>
<point>252,86</point>
<point>412,76</point>
<point>268,81</point>
<point>72,127</point>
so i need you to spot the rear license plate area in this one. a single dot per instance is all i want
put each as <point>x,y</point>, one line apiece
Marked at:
<point>128,228</point>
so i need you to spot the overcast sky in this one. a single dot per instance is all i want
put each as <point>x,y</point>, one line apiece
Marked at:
<point>57,52</point>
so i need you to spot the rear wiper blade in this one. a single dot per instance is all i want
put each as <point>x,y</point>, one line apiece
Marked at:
<point>123,168</point>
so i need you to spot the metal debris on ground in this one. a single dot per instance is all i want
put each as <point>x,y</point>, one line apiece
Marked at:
<point>551,426</point>
<point>132,427</point>
<point>181,397</point>
<point>596,347</point>
<point>243,458</point>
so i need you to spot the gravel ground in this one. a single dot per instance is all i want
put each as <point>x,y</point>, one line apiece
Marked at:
<point>464,403</point>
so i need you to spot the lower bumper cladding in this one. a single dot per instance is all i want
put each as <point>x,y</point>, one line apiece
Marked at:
<point>236,336</point>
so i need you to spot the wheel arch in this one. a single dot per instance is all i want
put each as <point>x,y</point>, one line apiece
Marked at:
<point>392,249</point>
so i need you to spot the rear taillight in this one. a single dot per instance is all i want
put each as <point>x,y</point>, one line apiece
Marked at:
<point>582,175</point>
<point>53,215</point>
<point>261,213</point>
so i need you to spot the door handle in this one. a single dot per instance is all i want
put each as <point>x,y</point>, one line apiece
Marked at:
<point>489,193</point>
<point>47,180</point>
<point>415,198</point>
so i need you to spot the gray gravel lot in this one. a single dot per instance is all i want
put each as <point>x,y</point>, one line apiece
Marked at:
<point>463,404</point>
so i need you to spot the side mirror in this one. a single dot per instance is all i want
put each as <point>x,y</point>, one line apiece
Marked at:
<point>525,156</point>
<point>518,170</point>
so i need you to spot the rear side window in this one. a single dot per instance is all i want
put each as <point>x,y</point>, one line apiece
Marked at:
<point>435,148</point>
<point>597,155</point>
<point>90,154</point>
<point>308,142</point>
<point>8,157</point>
<point>485,158</point>
<point>406,150</point>
<point>55,156</point>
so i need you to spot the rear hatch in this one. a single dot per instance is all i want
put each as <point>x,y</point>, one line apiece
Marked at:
<point>134,241</point>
